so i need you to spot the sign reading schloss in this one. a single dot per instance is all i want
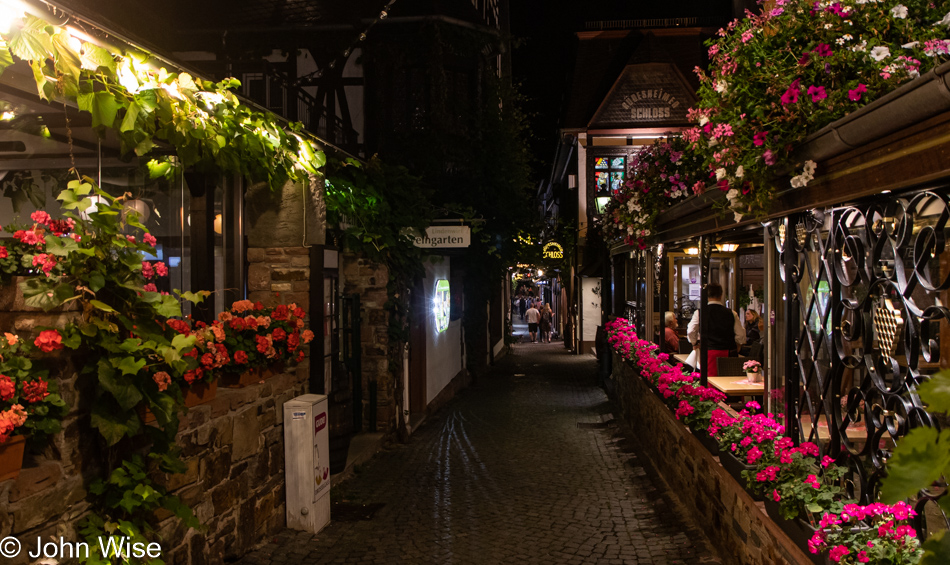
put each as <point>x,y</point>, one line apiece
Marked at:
<point>552,250</point>
<point>444,236</point>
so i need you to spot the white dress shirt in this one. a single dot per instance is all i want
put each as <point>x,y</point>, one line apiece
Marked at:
<point>692,330</point>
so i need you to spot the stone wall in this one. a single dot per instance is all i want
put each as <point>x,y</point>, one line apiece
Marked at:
<point>737,525</point>
<point>369,280</point>
<point>279,274</point>
<point>234,451</point>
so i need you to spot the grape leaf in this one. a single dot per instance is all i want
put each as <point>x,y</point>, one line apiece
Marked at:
<point>920,458</point>
<point>936,392</point>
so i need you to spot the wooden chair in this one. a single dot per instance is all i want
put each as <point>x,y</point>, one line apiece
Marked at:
<point>731,366</point>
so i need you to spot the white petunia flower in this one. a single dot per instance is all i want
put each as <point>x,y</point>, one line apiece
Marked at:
<point>720,173</point>
<point>740,172</point>
<point>945,21</point>
<point>910,45</point>
<point>880,53</point>
<point>861,47</point>
<point>810,167</point>
<point>732,194</point>
<point>899,11</point>
<point>721,86</point>
<point>737,216</point>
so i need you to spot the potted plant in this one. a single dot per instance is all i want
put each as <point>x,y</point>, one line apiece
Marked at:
<point>876,533</point>
<point>753,371</point>
<point>29,404</point>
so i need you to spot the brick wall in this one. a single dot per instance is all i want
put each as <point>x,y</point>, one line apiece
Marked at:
<point>735,524</point>
<point>369,280</point>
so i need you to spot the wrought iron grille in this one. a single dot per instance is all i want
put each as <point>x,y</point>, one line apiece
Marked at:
<point>865,293</point>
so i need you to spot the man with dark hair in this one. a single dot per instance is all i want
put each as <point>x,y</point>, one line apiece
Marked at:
<point>726,332</point>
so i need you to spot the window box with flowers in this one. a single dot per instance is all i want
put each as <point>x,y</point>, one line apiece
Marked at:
<point>803,496</point>
<point>247,344</point>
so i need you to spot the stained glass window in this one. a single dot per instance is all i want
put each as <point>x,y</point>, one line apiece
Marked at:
<point>616,181</point>
<point>617,163</point>
<point>602,180</point>
<point>601,163</point>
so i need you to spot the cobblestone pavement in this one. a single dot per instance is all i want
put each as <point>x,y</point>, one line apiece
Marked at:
<point>526,466</point>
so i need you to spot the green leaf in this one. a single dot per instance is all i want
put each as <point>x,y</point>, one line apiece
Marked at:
<point>157,169</point>
<point>113,425</point>
<point>96,281</point>
<point>128,122</point>
<point>38,294</point>
<point>936,549</point>
<point>86,102</point>
<point>31,42</point>
<point>121,389</point>
<point>94,57</point>
<point>40,78</point>
<point>67,60</point>
<point>919,459</point>
<point>104,110</point>
<point>130,366</point>
<point>5,58</point>
<point>102,306</point>
<point>169,307</point>
<point>72,340</point>
<point>936,392</point>
<point>195,297</point>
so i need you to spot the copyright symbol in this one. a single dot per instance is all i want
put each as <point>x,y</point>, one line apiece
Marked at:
<point>9,547</point>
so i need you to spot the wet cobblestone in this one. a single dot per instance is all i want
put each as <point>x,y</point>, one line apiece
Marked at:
<point>524,467</point>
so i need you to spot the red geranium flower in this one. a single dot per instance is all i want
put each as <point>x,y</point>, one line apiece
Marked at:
<point>240,357</point>
<point>7,388</point>
<point>49,340</point>
<point>35,391</point>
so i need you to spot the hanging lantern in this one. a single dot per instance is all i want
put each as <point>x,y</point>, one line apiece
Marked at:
<point>137,206</point>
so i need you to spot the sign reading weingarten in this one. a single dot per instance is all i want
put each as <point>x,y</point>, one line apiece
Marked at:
<point>445,236</point>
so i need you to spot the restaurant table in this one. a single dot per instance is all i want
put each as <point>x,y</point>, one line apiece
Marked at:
<point>680,357</point>
<point>736,386</point>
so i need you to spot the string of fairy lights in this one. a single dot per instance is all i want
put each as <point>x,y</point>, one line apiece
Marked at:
<point>383,14</point>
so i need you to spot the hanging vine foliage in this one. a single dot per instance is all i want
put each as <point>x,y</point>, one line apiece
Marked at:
<point>148,107</point>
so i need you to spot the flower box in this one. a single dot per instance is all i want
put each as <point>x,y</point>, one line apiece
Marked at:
<point>11,457</point>
<point>710,443</point>
<point>798,530</point>
<point>252,376</point>
<point>194,395</point>
<point>734,466</point>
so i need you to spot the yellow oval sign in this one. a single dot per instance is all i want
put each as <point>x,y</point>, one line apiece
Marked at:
<point>552,250</point>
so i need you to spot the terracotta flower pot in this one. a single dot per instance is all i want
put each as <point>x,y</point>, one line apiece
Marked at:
<point>11,457</point>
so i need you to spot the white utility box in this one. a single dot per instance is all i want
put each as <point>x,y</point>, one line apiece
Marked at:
<point>307,462</point>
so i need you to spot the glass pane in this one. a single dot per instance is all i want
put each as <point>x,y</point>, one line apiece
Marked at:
<point>601,163</point>
<point>601,179</point>
<point>616,181</point>
<point>617,163</point>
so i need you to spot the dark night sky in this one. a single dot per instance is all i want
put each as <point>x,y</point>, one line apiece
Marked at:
<point>543,56</point>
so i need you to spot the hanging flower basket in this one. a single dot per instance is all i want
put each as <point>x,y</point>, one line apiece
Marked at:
<point>11,457</point>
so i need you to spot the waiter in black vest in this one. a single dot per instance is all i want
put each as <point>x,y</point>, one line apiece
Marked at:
<point>726,331</point>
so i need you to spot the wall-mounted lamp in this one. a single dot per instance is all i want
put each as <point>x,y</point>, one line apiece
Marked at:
<point>728,247</point>
<point>691,251</point>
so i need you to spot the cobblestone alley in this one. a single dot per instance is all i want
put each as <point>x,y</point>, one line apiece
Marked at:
<point>525,466</point>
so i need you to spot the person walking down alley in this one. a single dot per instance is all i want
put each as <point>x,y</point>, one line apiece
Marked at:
<point>533,317</point>
<point>545,326</point>
<point>726,332</point>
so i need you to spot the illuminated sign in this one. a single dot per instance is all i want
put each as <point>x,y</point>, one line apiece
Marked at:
<point>552,250</point>
<point>444,236</point>
<point>441,304</point>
